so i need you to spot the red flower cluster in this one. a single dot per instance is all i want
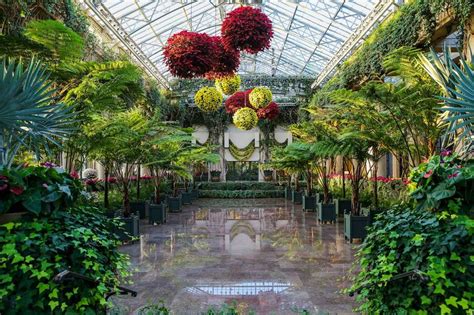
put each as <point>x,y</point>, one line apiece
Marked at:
<point>247,29</point>
<point>189,54</point>
<point>226,61</point>
<point>237,101</point>
<point>270,112</point>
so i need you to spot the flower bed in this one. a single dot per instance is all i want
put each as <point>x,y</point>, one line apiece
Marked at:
<point>241,194</point>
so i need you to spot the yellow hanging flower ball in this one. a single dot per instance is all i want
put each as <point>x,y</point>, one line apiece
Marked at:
<point>228,85</point>
<point>208,99</point>
<point>260,97</point>
<point>245,118</point>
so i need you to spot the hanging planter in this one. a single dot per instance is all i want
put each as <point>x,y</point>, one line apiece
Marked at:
<point>270,112</point>
<point>260,97</point>
<point>237,101</point>
<point>208,99</point>
<point>228,85</point>
<point>189,54</point>
<point>226,61</point>
<point>244,153</point>
<point>245,118</point>
<point>247,29</point>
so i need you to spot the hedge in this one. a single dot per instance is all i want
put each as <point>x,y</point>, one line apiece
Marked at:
<point>241,194</point>
<point>232,186</point>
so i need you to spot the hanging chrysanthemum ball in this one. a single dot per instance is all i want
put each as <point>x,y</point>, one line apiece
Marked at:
<point>247,29</point>
<point>208,99</point>
<point>245,118</point>
<point>260,97</point>
<point>237,100</point>
<point>228,85</point>
<point>226,61</point>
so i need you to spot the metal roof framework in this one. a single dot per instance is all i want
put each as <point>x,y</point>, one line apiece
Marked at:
<point>309,36</point>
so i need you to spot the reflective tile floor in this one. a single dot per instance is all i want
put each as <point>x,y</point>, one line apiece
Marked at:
<point>265,255</point>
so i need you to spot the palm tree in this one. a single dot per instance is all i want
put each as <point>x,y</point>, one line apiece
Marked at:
<point>29,117</point>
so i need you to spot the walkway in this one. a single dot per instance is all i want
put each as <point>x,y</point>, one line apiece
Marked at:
<point>265,254</point>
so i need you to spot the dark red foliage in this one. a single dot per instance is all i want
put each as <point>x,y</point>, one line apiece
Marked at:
<point>226,61</point>
<point>237,101</point>
<point>270,112</point>
<point>189,54</point>
<point>247,29</point>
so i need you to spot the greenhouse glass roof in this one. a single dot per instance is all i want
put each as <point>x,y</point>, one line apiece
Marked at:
<point>310,37</point>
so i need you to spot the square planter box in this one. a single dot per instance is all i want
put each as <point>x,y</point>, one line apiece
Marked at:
<point>296,197</point>
<point>310,202</point>
<point>174,204</point>
<point>157,213</point>
<point>186,198</point>
<point>130,229</point>
<point>355,226</point>
<point>326,212</point>
<point>288,193</point>
<point>195,194</point>
<point>140,207</point>
<point>342,205</point>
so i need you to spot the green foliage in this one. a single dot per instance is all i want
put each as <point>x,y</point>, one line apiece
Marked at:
<point>37,189</point>
<point>438,243</point>
<point>241,194</point>
<point>28,116</point>
<point>32,252</point>
<point>237,186</point>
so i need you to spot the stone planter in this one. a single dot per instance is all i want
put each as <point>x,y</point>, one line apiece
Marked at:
<point>342,206</point>
<point>186,198</point>
<point>310,202</point>
<point>157,213</point>
<point>288,193</point>
<point>174,204</point>
<point>130,229</point>
<point>355,226</point>
<point>326,212</point>
<point>140,207</point>
<point>296,197</point>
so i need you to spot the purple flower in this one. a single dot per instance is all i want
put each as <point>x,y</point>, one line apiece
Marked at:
<point>48,164</point>
<point>445,153</point>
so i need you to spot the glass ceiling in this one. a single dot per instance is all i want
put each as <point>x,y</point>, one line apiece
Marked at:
<point>308,34</point>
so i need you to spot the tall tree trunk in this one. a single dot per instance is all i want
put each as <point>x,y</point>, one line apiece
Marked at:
<point>325,184</point>
<point>375,184</point>
<point>297,182</point>
<point>343,178</point>
<point>126,198</point>
<point>355,184</point>
<point>308,182</point>
<point>138,182</point>
<point>106,186</point>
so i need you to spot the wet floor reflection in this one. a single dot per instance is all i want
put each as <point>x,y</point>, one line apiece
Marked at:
<point>266,255</point>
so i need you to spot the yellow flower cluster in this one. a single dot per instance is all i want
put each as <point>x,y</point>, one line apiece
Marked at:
<point>228,85</point>
<point>260,97</point>
<point>208,99</point>
<point>245,118</point>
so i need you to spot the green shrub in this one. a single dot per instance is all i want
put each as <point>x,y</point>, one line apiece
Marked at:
<point>37,189</point>
<point>33,252</point>
<point>434,237</point>
<point>241,194</point>
<point>238,186</point>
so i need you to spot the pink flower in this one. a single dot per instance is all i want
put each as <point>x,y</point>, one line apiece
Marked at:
<point>74,175</point>
<point>3,183</point>
<point>17,190</point>
<point>45,185</point>
<point>446,153</point>
<point>453,175</point>
<point>428,174</point>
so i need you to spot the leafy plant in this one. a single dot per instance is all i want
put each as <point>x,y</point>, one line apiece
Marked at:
<point>79,240</point>
<point>28,116</point>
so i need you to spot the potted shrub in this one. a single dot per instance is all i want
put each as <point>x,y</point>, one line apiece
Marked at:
<point>310,202</point>
<point>215,176</point>
<point>268,175</point>
<point>342,206</point>
<point>130,228</point>
<point>175,204</point>
<point>140,207</point>
<point>157,213</point>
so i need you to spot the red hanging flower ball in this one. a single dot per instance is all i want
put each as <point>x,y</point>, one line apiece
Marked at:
<point>189,54</point>
<point>270,112</point>
<point>247,29</point>
<point>237,101</point>
<point>226,61</point>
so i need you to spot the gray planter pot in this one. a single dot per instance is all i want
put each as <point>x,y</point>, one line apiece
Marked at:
<point>355,226</point>
<point>326,212</point>
<point>130,229</point>
<point>157,213</point>
<point>342,206</point>
<point>296,197</point>
<point>174,204</point>
<point>186,198</point>
<point>140,207</point>
<point>195,194</point>
<point>310,202</point>
<point>288,191</point>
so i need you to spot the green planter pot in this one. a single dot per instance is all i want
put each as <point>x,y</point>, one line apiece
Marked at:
<point>174,204</point>
<point>310,202</point>
<point>326,212</point>
<point>195,194</point>
<point>186,198</point>
<point>355,226</point>
<point>296,197</point>
<point>342,205</point>
<point>130,229</point>
<point>288,191</point>
<point>157,213</point>
<point>140,207</point>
